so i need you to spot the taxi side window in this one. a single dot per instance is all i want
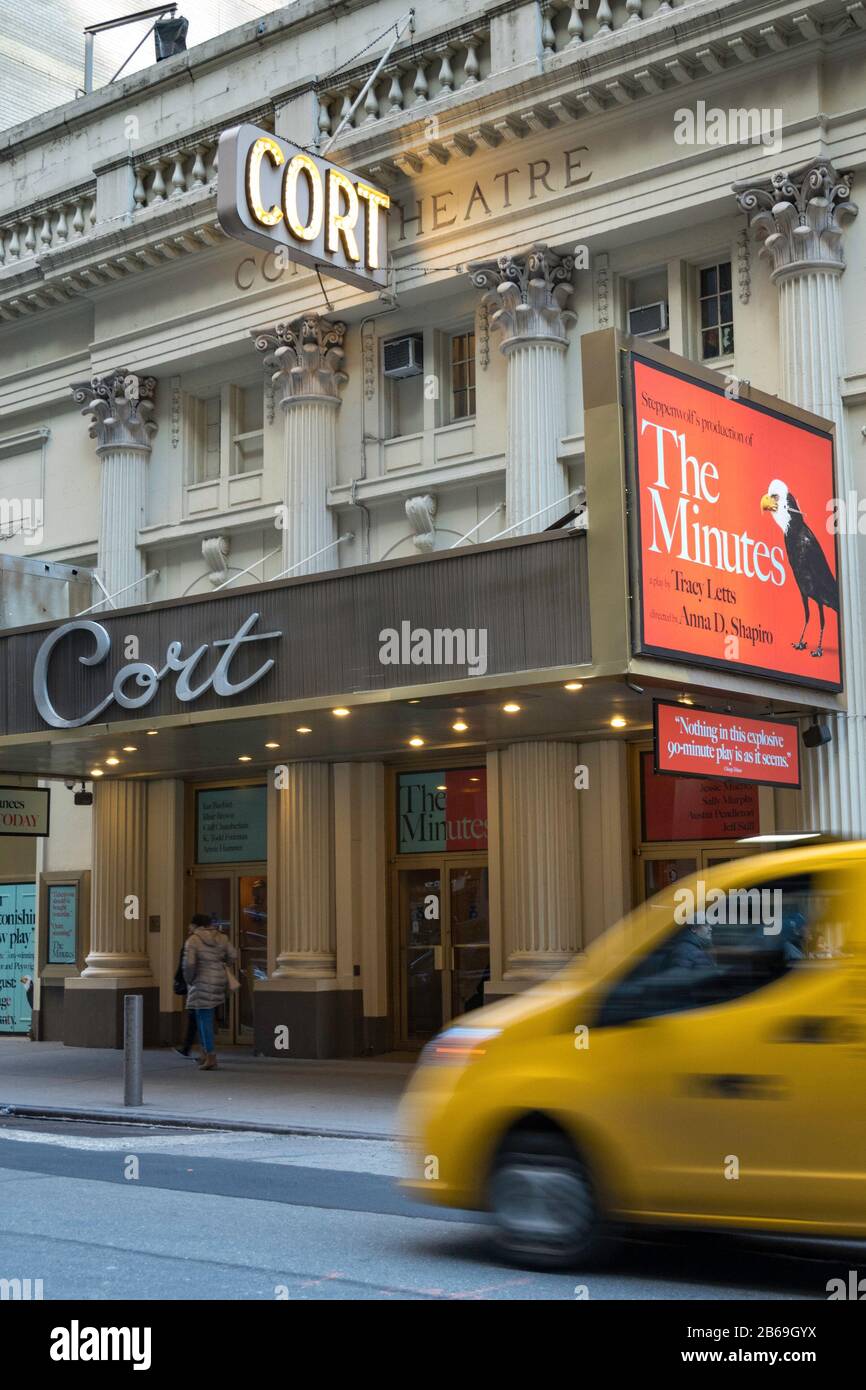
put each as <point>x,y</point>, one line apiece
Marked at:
<point>726,946</point>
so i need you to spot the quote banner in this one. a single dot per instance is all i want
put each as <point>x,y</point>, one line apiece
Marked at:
<point>693,742</point>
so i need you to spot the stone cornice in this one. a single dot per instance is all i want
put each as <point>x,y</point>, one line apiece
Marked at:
<point>113,251</point>
<point>670,52</point>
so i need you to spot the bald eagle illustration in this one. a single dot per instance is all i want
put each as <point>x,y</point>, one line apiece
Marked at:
<point>808,562</point>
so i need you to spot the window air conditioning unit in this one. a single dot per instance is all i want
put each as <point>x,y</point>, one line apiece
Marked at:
<point>403,357</point>
<point>648,320</point>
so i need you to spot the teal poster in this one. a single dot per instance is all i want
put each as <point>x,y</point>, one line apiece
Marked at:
<point>232,825</point>
<point>17,937</point>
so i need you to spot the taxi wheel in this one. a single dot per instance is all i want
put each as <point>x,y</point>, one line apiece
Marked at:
<point>545,1211</point>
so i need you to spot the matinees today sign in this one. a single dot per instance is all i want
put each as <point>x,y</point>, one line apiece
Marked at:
<point>276,195</point>
<point>735,563</point>
<point>694,742</point>
<point>25,811</point>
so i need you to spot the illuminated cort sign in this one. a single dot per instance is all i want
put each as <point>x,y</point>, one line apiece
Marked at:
<point>142,675</point>
<point>274,194</point>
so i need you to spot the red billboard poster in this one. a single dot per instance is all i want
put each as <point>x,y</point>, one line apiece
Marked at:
<point>695,808</point>
<point>736,564</point>
<point>693,742</point>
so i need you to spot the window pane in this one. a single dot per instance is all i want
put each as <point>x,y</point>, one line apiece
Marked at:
<point>406,397</point>
<point>725,275</point>
<point>247,455</point>
<point>252,409</point>
<point>726,308</point>
<point>459,407</point>
<point>458,375</point>
<point>727,338</point>
<point>709,280</point>
<point>470,404</point>
<point>709,312</point>
<point>711,342</point>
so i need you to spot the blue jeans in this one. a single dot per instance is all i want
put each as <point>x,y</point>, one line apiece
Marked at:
<point>204,1019</point>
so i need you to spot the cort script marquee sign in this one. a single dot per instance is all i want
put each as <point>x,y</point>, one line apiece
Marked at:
<point>136,683</point>
<point>274,194</point>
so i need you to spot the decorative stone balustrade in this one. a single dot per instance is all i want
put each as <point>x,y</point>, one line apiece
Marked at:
<point>409,81</point>
<point>48,225</point>
<point>169,173</point>
<point>569,23</point>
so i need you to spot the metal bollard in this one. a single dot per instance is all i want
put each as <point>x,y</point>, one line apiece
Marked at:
<point>133,1041</point>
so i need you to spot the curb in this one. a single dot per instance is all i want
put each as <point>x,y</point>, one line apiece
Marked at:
<point>156,1118</point>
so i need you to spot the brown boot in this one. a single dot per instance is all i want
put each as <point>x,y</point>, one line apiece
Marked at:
<point>210,1062</point>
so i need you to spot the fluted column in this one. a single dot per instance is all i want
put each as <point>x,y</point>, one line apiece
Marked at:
<point>303,836</point>
<point>542,852</point>
<point>799,217</point>
<point>306,358</point>
<point>118,927</point>
<point>120,405</point>
<point>526,297</point>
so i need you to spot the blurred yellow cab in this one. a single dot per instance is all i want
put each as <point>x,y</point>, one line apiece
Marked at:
<point>703,1063</point>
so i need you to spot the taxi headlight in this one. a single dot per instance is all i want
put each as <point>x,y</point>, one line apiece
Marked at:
<point>459,1045</point>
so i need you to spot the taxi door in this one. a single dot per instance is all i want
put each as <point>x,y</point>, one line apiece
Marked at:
<point>743,1098</point>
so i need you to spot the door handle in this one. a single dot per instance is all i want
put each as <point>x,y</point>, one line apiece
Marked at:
<point>438,957</point>
<point>817,1028</point>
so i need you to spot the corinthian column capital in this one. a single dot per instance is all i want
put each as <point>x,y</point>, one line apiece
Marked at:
<point>526,295</point>
<point>306,358</point>
<point>799,217</point>
<point>120,405</point>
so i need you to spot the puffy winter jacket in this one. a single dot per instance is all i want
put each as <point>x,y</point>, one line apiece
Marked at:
<point>205,956</point>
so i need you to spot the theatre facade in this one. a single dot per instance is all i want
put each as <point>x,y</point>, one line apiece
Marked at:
<point>425,543</point>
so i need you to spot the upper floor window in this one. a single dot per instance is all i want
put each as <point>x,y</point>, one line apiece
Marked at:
<point>716,308</point>
<point>462,368</point>
<point>227,432</point>
<point>403,370</point>
<point>646,306</point>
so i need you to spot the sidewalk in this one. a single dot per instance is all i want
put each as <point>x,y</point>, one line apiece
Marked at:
<point>358,1097</point>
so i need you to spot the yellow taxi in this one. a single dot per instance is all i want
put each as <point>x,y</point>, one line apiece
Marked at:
<point>703,1063</point>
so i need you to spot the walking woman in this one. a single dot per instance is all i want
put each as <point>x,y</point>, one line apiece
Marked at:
<point>206,958</point>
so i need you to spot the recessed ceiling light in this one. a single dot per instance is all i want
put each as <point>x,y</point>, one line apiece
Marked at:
<point>460,726</point>
<point>341,713</point>
<point>245,758</point>
<point>574,685</point>
<point>303,729</point>
<point>413,702</point>
<point>96,772</point>
<point>152,733</point>
<point>112,762</point>
<point>130,748</point>
<point>272,745</point>
<point>686,700</point>
<point>416,742</point>
<point>442,787</point>
<point>474,779</point>
<point>617,722</point>
<point>512,707</point>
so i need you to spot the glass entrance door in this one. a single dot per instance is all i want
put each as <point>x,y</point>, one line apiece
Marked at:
<point>444,944</point>
<point>236,901</point>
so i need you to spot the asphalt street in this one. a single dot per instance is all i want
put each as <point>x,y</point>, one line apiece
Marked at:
<point>99,1213</point>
